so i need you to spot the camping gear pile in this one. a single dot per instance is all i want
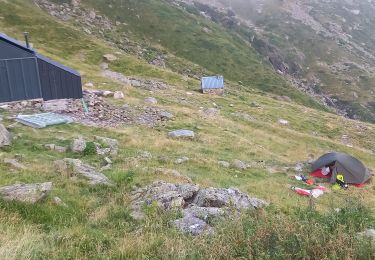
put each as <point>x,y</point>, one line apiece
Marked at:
<point>341,170</point>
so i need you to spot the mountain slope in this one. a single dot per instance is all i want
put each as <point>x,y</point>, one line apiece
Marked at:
<point>327,46</point>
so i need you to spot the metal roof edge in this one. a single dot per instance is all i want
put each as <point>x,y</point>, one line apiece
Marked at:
<point>15,42</point>
<point>59,65</point>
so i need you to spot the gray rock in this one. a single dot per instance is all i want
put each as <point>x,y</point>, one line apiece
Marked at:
<point>111,143</point>
<point>118,95</point>
<point>5,136</point>
<point>166,115</point>
<point>211,111</point>
<point>283,122</point>
<point>14,164</point>
<point>299,167</point>
<point>240,165</point>
<point>204,213</point>
<point>103,66</point>
<point>135,83</point>
<point>145,155</point>
<point>57,201</point>
<point>165,195</point>
<point>107,160</point>
<point>110,57</point>
<point>224,164</point>
<point>181,160</point>
<point>219,197</point>
<point>192,225</point>
<point>50,146</point>
<point>150,100</point>
<point>29,193</point>
<point>181,134</point>
<point>78,145</point>
<point>57,148</point>
<point>60,149</point>
<point>72,167</point>
<point>368,233</point>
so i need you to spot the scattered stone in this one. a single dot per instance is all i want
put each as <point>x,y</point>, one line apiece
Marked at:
<point>104,66</point>
<point>107,93</point>
<point>89,85</point>
<point>107,160</point>
<point>299,167</point>
<point>50,146</point>
<point>56,148</point>
<point>58,105</point>
<point>181,160</point>
<point>5,136</point>
<point>283,122</point>
<point>244,116</point>
<point>112,143</point>
<point>145,155</point>
<point>135,83</point>
<point>78,145</point>
<point>72,167</point>
<point>224,164</point>
<point>29,193</point>
<point>240,165</point>
<point>57,201</point>
<point>118,95</point>
<point>110,57</point>
<point>166,115</point>
<point>192,225</point>
<point>14,164</point>
<point>368,233</point>
<point>150,100</point>
<point>181,134</point>
<point>211,111</point>
<point>61,149</point>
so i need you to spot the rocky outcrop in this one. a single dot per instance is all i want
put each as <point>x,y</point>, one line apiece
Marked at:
<point>198,205</point>
<point>29,193</point>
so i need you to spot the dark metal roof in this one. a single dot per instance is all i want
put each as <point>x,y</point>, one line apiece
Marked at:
<point>14,42</point>
<point>39,56</point>
<point>213,82</point>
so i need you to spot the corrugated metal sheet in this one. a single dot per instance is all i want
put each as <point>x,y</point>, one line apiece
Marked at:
<point>19,80</point>
<point>213,82</point>
<point>25,74</point>
<point>58,81</point>
<point>43,120</point>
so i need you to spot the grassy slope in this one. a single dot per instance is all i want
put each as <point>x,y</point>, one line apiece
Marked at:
<point>96,222</point>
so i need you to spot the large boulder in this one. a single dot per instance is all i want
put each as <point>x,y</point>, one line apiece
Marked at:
<point>5,136</point>
<point>30,193</point>
<point>73,167</point>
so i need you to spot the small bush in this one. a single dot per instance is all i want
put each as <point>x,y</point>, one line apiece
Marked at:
<point>90,149</point>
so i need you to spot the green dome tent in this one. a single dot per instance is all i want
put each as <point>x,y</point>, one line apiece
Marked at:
<point>351,168</point>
